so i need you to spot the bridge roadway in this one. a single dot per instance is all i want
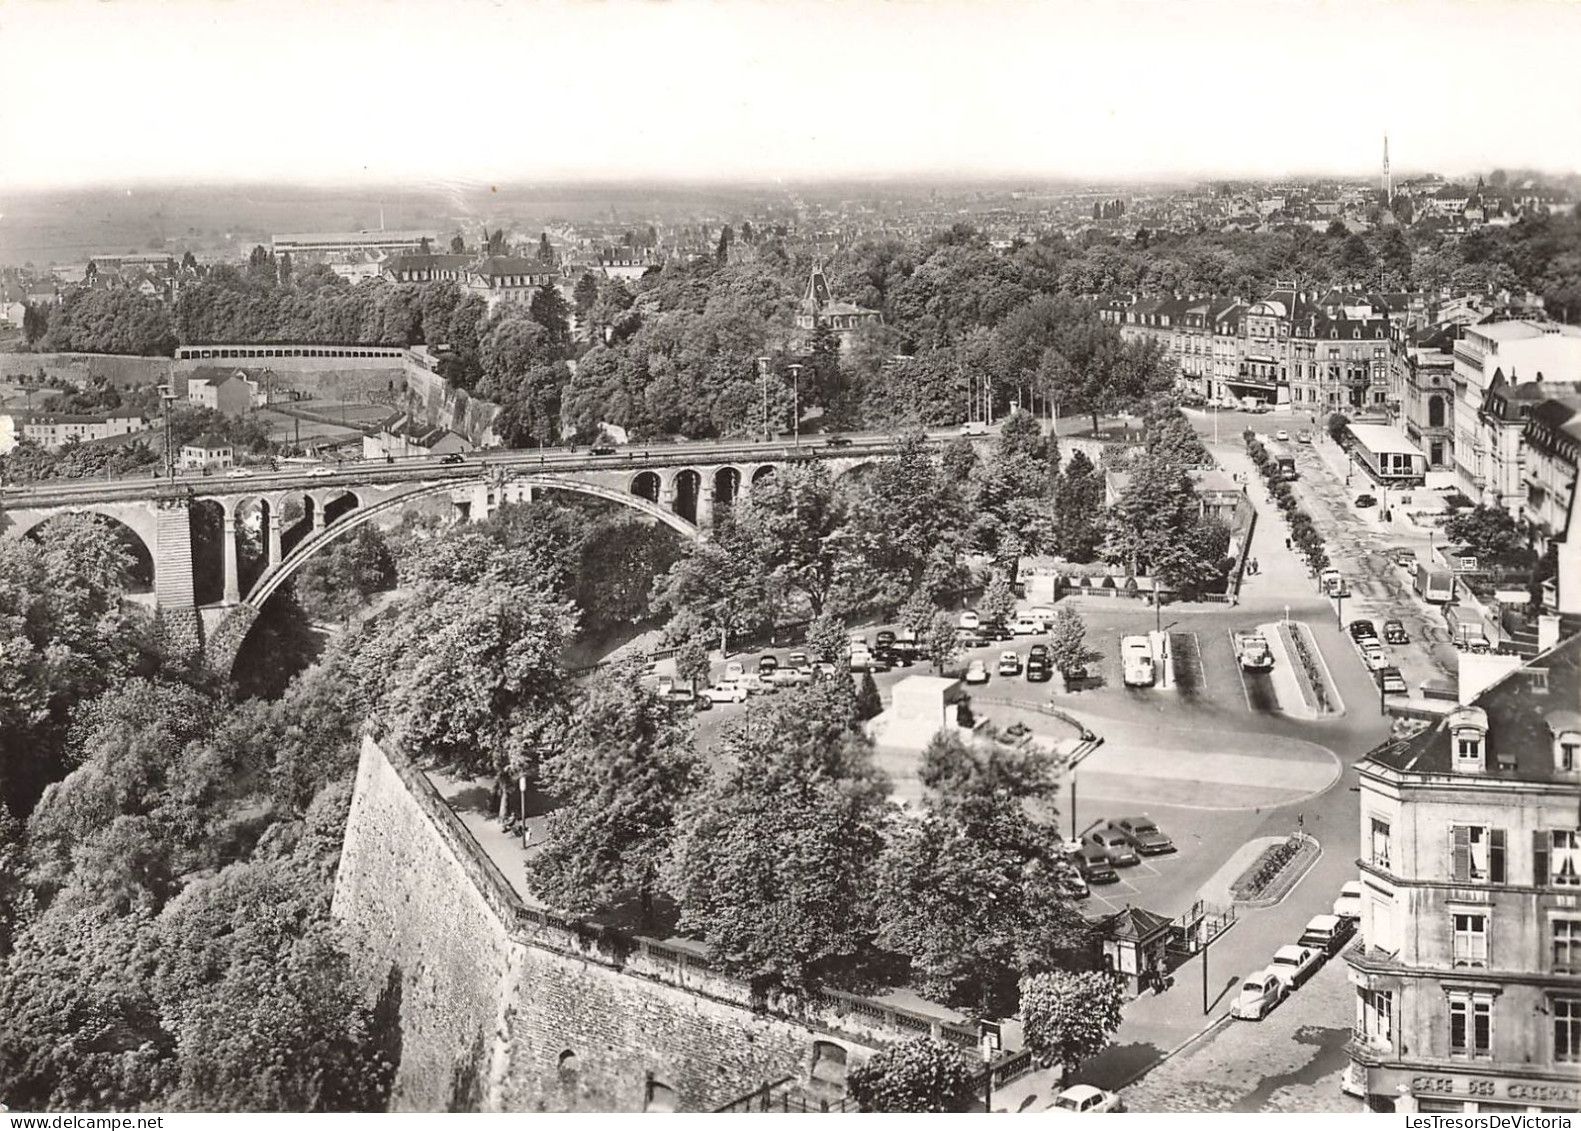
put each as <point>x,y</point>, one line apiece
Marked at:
<point>430,469</point>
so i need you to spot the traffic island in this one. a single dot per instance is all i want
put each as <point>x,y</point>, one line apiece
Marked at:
<point>1300,677</point>
<point>1276,869</point>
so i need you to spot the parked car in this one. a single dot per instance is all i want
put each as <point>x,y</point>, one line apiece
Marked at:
<point>1039,670</point>
<point>1042,613</point>
<point>1303,437</point>
<point>768,666</point>
<point>997,630</point>
<point>798,661</point>
<point>823,670</point>
<point>1094,865</point>
<point>969,619</point>
<point>1009,663</point>
<point>1070,880</point>
<point>1326,933</point>
<point>1080,1099</point>
<point>601,450</point>
<point>757,685</point>
<point>1027,625</point>
<point>838,442</point>
<point>976,672</point>
<point>1363,630</point>
<point>1260,992</point>
<point>1391,681</point>
<point>1372,652</point>
<point>734,670</point>
<point>725,693</point>
<point>1348,904</point>
<point>1294,964</point>
<point>1394,632</point>
<point>1115,844</point>
<point>1365,501</point>
<point>1405,559</point>
<point>1038,652</point>
<point>793,677</point>
<point>453,458</point>
<point>858,640</point>
<point>1281,434</point>
<point>1145,835</point>
<point>321,471</point>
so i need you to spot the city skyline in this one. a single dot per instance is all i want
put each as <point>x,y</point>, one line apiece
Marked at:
<point>358,93</point>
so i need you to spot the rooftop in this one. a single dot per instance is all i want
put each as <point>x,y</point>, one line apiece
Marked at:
<point>1522,713</point>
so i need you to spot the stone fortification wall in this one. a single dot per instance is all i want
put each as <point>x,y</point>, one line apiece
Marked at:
<point>508,1007</point>
<point>439,404</point>
<point>81,369</point>
<point>423,911</point>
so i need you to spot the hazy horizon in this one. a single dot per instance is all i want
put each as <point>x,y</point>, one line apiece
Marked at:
<point>463,93</point>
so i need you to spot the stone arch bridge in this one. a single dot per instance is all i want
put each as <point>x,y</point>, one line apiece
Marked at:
<point>286,517</point>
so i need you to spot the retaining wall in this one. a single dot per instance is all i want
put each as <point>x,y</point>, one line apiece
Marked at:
<point>505,1007</point>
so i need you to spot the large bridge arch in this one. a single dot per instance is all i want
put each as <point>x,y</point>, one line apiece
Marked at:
<point>138,519</point>
<point>141,576</point>
<point>231,633</point>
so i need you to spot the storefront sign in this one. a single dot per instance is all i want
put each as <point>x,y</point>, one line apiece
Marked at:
<point>1492,1089</point>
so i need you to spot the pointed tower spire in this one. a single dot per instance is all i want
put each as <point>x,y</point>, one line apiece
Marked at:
<point>1388,178</point>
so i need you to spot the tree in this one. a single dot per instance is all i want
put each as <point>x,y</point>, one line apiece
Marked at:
<point>998,602</point>
<point>550,311</point>
<point>1491,534</point>
<point>1338,427</point>
<point>1068,641</point>
<point>338,581</point>
<point>627,768</point>
<point>35,322</point>
<point>967,889</point>
<point>691,662</point>
<point>942,641</point>
<point>828,639</point>
<point>869,705</point>
<point>1069,1017</point>
<point>920,1075</point>
<point>585,294</point>
<point>1078,505</point>
<point>458,246</point>
<point>722,252</point>
<point>773,861</point>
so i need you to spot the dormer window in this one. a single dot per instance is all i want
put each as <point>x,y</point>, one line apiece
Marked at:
<point>1468,737</point>
<point>1565,726</point>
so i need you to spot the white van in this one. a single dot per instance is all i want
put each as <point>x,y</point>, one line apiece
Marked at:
<point>1136,660</point>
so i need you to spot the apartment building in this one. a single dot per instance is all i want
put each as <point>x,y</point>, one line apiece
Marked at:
<point>1497,357</point>
<point>1427,399</point>
<point>1552,458</point>
<point>1468,967</point>
<point>53,431</point>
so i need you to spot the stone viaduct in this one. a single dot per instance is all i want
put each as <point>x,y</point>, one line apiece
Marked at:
<point>272,523</point>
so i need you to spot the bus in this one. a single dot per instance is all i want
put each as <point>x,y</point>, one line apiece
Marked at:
<point>1284,458</point>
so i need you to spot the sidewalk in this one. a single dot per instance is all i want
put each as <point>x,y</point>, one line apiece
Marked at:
<point>1157,1026</point>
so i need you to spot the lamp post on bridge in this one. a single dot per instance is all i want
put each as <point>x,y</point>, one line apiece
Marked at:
<point>167,393</point>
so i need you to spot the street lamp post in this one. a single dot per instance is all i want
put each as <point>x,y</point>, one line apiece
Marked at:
<point>167,394</point>
<point>795,371</point>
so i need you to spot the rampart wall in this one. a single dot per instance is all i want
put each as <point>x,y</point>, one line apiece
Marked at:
<point>506,1007</point>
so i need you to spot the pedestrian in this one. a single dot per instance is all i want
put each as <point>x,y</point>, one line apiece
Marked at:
<point>1287,543</point>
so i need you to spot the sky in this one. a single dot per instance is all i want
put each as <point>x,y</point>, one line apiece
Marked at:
<point>110,92</point>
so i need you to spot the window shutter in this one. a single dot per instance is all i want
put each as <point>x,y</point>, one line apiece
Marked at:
<point>1462,852</point>
<point>1496,856</point>
<point>1540,858</point>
